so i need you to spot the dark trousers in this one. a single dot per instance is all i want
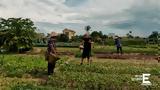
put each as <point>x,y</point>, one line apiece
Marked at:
<point>51,67</point>
<point>119,50</point>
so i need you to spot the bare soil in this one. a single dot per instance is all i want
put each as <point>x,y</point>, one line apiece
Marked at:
<point>106,55</point>
<point>136,56</point>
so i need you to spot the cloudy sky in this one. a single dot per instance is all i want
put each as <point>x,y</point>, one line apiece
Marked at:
<point>110,16</point>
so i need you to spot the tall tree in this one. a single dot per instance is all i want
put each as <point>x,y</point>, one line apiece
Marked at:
<point>17,33</point>
<point>88,28</point>
<point>97,36</point>
<point>154,35</point>
<point>62,38</point>
<point>129,35</point>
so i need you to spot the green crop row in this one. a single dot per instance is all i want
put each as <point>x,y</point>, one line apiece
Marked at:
<point>28,72</point>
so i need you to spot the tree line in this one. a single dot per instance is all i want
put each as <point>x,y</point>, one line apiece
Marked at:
<point>17,34</point>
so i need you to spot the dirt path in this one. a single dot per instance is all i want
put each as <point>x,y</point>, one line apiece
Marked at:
<point>106,55</point>
<point>136,56</point>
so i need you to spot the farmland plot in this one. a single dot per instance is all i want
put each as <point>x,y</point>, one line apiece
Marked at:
<point>28,72</point>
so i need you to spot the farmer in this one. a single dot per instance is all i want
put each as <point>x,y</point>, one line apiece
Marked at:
<point>118,44</point>
<point>52,53</point>
<point>86,49</point>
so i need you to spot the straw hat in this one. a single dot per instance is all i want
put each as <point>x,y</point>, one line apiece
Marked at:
<point>116,37</point>
<point>53,34</point>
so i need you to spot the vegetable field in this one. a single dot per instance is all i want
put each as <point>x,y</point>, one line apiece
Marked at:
<point>29,72</point>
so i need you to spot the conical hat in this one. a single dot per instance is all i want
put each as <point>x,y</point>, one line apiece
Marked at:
<point>116,37</point>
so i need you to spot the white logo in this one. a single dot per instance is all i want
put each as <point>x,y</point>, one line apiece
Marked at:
<point>144,78</point>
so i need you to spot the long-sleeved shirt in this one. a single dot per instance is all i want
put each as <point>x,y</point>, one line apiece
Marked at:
<point>118,42</point>
<point>51,46</point>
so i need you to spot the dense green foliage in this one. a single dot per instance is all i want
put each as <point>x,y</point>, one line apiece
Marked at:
<point>98,36</point>
<point>76,38</point>
<point>154,35</point>
<point>27,72</point>
<point>62,38</point>
<point>16,33</point>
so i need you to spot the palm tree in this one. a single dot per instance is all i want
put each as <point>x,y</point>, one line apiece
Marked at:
<point>130,32</point>
<point>88,28</point>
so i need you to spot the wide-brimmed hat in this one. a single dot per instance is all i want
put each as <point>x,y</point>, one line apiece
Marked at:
<point>116,37</point>
<point>53,34</point>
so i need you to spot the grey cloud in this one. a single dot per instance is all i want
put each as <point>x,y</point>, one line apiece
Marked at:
<point>2,6</point>
<point>48,27</point>
<point>142,17</point>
